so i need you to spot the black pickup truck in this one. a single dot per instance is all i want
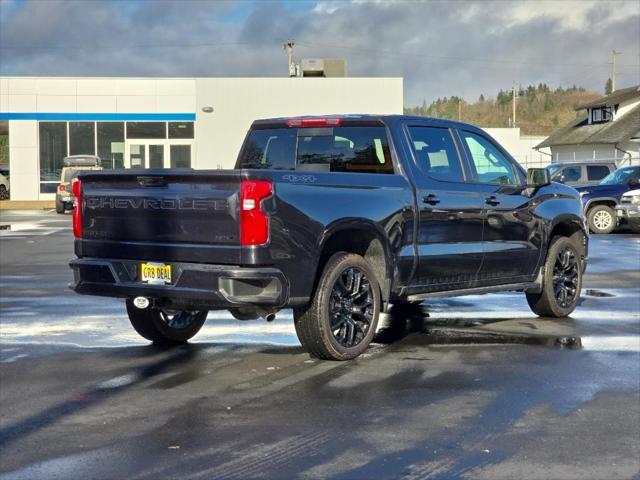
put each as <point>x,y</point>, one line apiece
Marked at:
<point>336,217</point>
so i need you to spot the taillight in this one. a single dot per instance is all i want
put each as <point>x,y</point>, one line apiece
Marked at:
<point>62,187</point>
<point>314,122</point>
<point>254,222</point>
<point>76,187</point>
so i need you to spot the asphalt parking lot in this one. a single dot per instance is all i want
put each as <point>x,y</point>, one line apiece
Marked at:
<point>478,389</point>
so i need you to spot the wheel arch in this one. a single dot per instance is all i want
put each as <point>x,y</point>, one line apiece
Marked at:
<point>364,238</point>
<point>608,201</point>
<point>572,227</point>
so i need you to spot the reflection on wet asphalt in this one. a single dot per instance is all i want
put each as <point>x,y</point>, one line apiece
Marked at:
<point>466,387</point>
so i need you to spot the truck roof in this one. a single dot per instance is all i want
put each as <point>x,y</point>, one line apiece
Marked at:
<point>358,118</point>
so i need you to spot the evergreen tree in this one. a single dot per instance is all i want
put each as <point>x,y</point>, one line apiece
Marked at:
<point>608,87</point>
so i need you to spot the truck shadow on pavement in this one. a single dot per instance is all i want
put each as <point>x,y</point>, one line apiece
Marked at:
<point>102,391</point>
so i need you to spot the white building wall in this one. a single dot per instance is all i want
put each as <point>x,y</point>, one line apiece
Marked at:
<point>521,146</point>
<point>237,102</point>
<point>24,181</point>
<point>594,152</point>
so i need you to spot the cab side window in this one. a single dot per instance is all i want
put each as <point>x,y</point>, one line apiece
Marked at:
<point>489,163</point>
<point>571,174</point>
<point>436,153</point>
<point>597,172</point>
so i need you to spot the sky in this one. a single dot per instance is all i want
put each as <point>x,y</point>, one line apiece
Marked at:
<point>441,48</point>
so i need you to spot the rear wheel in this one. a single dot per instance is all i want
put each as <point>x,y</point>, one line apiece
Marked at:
<point>4,193</point>
<point>602,219</point>
<point>561,283</point>
<point>341,319</point>
<point>164,326</point>
<point>59,206</point>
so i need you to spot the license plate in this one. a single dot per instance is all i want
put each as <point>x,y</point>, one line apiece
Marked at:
<point>155,273</point>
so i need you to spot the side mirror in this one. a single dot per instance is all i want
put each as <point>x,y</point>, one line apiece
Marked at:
<point>562,179</point>
<point>538,177</point>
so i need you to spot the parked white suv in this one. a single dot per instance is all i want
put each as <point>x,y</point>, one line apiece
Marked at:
<point>628,210</point>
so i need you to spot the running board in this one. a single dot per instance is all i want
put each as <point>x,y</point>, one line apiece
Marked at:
<point>531,286</point>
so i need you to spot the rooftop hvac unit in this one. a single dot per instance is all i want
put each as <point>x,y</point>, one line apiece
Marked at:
<point>324,67</point>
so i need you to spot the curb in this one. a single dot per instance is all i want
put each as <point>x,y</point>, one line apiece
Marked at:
<point>27,204</point>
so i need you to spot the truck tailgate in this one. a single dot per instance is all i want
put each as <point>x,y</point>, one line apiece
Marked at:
<point>161,215</point>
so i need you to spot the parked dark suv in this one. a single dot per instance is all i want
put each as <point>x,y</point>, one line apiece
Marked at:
<point>336,217</point>
<point>580,173</point>
<point>599,201</point>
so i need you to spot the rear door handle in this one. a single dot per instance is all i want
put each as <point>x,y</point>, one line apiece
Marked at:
<point>431,199</point>
<point>492,200</point>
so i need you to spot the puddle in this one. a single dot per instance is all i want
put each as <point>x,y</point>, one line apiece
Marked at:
<point>590,292</point>
<point>439,336</point>
<point>414,319</point>
<point>604,343</point>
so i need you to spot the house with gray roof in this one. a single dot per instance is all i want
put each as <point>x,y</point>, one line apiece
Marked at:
<point>609,129</point>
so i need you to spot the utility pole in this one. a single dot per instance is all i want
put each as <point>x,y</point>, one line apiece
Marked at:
<point>613,70</point>
<point>289,48</point>
<point>459,109</point>
<point>513,91</point>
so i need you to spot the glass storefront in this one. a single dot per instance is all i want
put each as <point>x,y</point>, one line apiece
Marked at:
<point>53,149</point>
<point>110,137</point>
<point>82,138</point>
<point>118,144</point>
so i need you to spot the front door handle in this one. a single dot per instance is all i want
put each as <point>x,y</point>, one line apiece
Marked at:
<point>431,199</point>
<point>492,200</point>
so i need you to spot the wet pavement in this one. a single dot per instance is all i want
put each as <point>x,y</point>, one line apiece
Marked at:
<point>466,387</point>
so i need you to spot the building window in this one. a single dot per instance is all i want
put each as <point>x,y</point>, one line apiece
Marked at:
<point>601,114</point>
<point>53,149</point>
<point>180,129</point>
<point>111,144</point>
<point>82,138</point>
<point>180,156</point>
<point>146,129</point>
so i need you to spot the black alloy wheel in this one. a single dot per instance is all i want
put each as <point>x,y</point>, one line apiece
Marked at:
<point>163,326</point>
<point>351,307</point>
<point>565,277</point>
<point>341,319</point>
<point>561,280</point>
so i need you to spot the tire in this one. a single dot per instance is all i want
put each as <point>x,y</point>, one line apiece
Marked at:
<point>156,324</point>
<point>602,219</point>
<point>4,193</point>
<point>353,304</point>
<point>59,206</point>
<point>562,271</point>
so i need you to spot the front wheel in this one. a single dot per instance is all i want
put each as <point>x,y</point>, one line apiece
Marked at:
<point>602,219</point>
<point>561,283</point>
<point>342,317</point>
<point>164,326</point>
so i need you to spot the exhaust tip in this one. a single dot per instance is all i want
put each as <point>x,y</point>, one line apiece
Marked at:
<point>141,302</point>
<point>270,317</point>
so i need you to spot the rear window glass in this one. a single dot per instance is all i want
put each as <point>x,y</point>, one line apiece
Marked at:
<point>337,149</point>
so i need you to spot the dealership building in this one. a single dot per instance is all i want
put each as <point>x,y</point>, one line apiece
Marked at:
<point>159,122</point>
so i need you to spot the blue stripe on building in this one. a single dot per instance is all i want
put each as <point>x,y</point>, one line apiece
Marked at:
<point>97,117</point>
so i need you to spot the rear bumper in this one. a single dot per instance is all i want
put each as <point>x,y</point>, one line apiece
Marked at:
<point>193,285</point>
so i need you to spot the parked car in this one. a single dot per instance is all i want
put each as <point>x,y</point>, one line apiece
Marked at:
<point>71,167</point>
<point>599,201</point>
<point>4,187</point>
<point>580,173</point>
<point>335,217</point>
<point>628,210</point>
